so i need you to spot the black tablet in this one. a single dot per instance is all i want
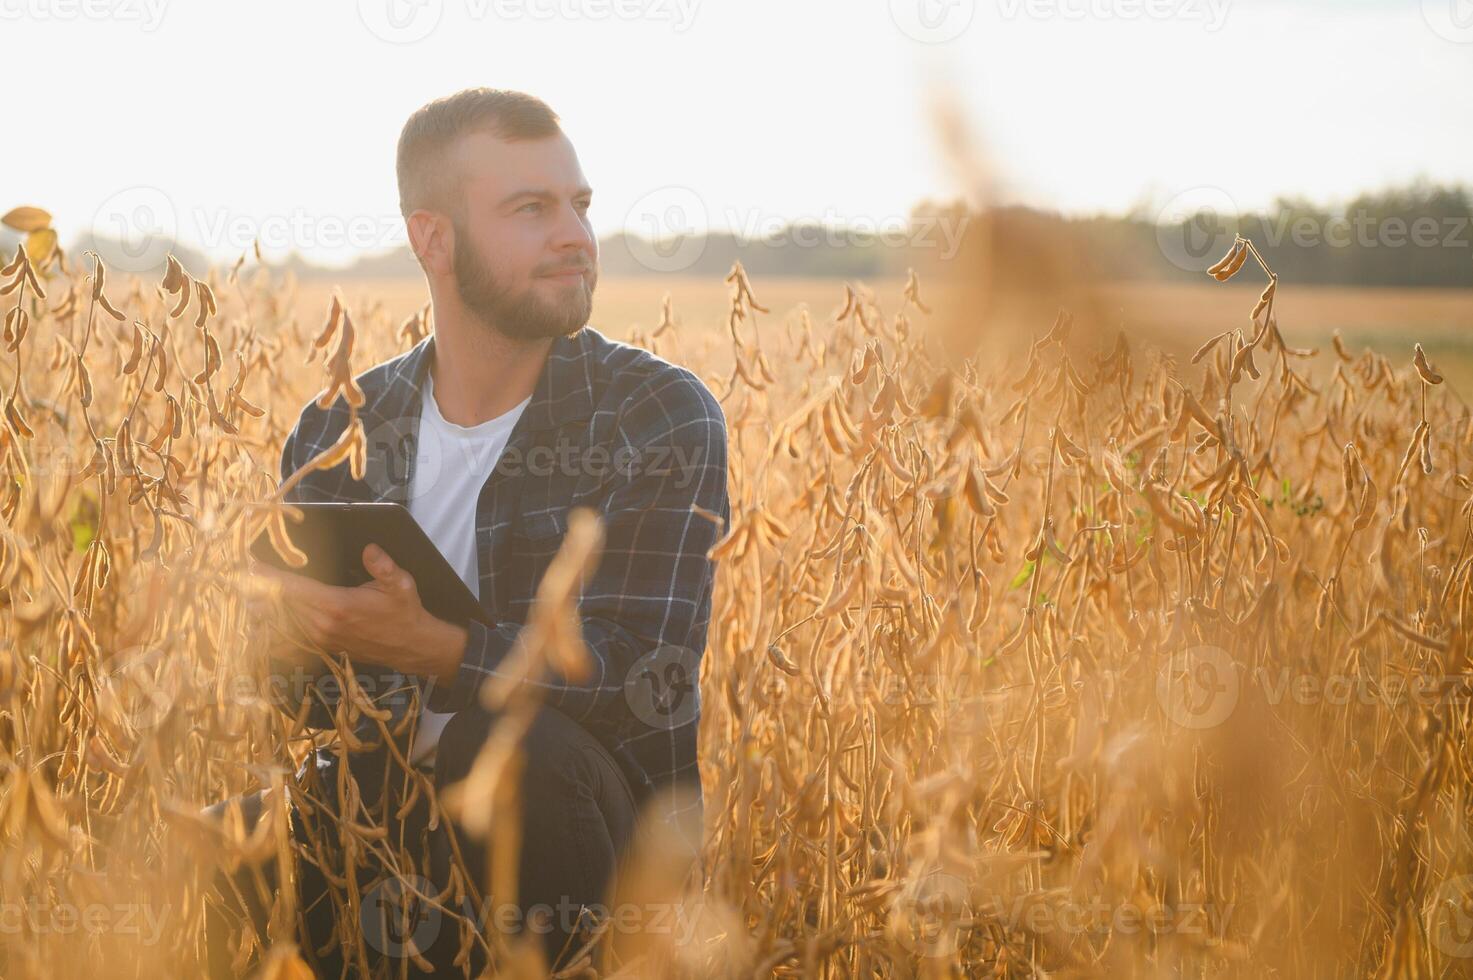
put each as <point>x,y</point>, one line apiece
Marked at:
<point>333,536</point>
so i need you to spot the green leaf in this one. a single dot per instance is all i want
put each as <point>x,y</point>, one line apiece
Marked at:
<point>82,535</point>
<point>1022,576</point>
<point>83,523</point>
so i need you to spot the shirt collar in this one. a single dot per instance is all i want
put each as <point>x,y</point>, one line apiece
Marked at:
<point>564,391</point>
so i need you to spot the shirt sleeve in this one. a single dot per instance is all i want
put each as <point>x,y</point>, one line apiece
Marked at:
<point>650,595</point>
<point>293,683</point>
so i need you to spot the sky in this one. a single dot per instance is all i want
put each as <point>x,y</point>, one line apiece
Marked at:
<point>222,123</point>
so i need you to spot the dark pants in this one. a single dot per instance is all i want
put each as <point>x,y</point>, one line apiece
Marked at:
<point>578,816</point>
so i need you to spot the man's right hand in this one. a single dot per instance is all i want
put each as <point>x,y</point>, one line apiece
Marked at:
<point>274,620</point>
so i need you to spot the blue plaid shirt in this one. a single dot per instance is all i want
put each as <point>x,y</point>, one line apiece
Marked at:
<point>611,427</point>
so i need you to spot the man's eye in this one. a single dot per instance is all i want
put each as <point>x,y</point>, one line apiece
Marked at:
<point>582,205</point>
<point>530,204</point>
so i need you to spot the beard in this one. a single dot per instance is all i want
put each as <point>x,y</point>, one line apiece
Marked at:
<point>520,315</point>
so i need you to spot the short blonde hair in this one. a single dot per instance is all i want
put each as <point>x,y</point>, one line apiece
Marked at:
<point>435,126</point>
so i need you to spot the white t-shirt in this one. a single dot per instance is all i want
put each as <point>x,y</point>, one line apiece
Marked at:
<point>451,465</point>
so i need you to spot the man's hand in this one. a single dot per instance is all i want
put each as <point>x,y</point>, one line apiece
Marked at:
<point>381,622</point>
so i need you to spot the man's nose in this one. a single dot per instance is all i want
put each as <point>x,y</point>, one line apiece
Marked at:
<point>572,232</point>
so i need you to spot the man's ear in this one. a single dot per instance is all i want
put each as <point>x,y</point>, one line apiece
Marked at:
<point>431,238</point>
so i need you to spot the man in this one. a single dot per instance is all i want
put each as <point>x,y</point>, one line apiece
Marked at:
<point>491,430</point>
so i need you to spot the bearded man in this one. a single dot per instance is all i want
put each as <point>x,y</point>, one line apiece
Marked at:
<point>510,414</point>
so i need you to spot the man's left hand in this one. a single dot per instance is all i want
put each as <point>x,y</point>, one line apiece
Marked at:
<point>382,622</point>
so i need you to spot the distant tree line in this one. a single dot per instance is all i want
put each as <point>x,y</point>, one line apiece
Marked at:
<point>1421,235</point>
<point>1414,236</point>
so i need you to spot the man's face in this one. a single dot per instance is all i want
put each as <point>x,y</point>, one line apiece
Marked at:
<point>526,259</point>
